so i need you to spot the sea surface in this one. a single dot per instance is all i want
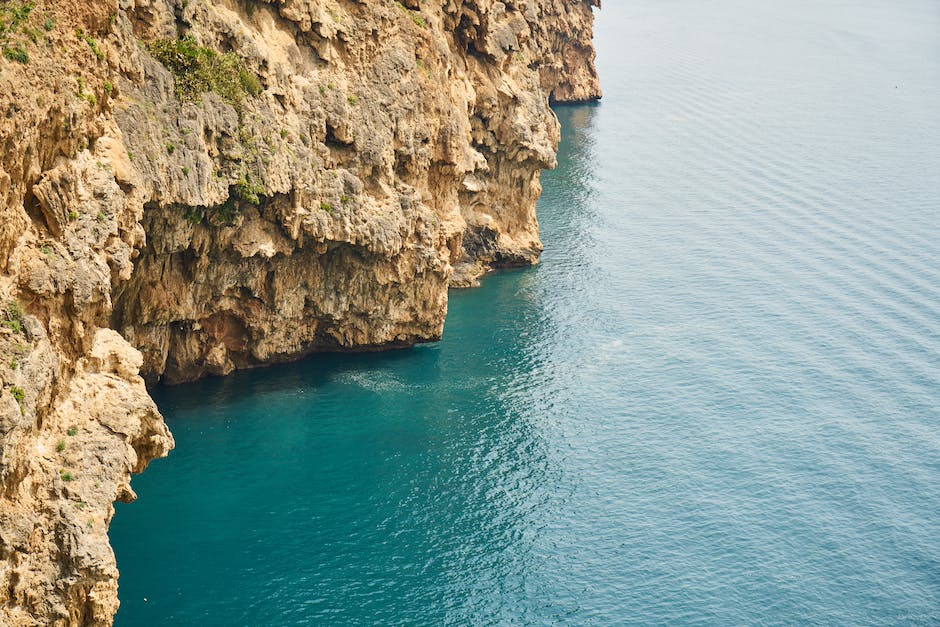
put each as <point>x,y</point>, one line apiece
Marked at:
<point>717,400</point>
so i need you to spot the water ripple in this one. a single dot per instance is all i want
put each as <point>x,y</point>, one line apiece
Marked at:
<point>715,401</point>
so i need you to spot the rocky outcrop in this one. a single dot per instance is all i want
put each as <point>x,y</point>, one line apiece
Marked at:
<point>60,480</point>
<point>191,187</point>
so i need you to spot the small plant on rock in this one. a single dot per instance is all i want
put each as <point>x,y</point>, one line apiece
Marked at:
<point>91,43</point>
<point>13,316</point>
<point>199,70</point>
<point>16,53</point>
<point>13,17</point>
<point>414,15</point>
<point>19,396</point>
<point>248,191</point>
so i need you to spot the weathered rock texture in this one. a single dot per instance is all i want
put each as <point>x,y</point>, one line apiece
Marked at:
<point>392,150</point>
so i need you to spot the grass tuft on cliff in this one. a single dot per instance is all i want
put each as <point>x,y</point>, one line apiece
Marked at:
<point>12,317</point>
<point>199,70</point>
<point>13,17</point>
<point>19,395</point>
<point>92,44</point>
<point>414,15</point>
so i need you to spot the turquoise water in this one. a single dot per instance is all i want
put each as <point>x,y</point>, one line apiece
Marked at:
<point>717,400</point>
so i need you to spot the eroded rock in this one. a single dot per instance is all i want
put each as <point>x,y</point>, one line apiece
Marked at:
<point>379,153</point>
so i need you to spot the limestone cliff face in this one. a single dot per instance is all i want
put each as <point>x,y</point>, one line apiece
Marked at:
<point>159,222</point>
<point>394,151</point>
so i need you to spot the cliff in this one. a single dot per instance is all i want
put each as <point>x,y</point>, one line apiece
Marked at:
<point>194,186</point>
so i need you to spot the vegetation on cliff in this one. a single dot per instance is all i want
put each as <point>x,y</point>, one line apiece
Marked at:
<point>150,228</point>
<point>199,70</point>
<point>14,29</point>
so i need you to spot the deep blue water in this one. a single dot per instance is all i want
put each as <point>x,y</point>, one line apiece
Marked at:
<point>717,400</point>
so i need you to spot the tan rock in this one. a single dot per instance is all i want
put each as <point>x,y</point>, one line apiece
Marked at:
<point>392,151</point>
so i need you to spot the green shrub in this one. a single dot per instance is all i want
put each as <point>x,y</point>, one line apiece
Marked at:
<point>19,396</point>
<point>243,191</point>
<point>60,446</point>
<point>353,100</point>
<point>199,70</point>
<point>13,16</point>
<point>72,431</point>
<point>16,53</point>
<point>13,316</point>
<point>66,476</point>
<point>91,43</point>
<point>248,191</point>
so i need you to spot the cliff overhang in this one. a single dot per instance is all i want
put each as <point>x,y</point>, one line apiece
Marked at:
<point>191,187</point>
